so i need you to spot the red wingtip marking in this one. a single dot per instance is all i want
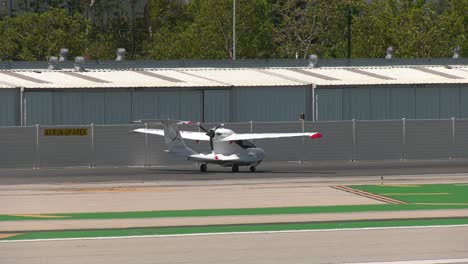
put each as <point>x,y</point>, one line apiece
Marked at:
<point>316,135</point>
<point>216,158</point>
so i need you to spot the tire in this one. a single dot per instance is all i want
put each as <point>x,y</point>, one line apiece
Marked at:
<point>252,168</point>
<point>203,168</point>
<point>235,168</point>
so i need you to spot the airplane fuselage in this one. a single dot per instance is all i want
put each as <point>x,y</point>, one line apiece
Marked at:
<point>229,153</point>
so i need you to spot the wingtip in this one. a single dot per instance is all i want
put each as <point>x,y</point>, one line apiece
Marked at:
<point>316,135</point>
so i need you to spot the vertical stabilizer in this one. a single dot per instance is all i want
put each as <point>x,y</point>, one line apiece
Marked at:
<point>174,142</point>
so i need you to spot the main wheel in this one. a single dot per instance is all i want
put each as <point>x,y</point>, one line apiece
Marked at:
<point>203,168</point>
<point>235,168</point>
<point>252,168</point>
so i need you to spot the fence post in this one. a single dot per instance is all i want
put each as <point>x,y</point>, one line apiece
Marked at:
<point>93,159</point>
<point>403,154</point>
<point>251,126</point>
<point>303,140</point>
<point>146,145</point>
<point>38,153</point>
<point>354,141</point>
<point>453,152</point>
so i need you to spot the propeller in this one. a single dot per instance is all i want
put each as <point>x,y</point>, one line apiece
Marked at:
<point>211,133</point>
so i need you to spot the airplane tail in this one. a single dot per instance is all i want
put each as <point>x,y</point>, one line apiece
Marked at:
<point>174,142</point>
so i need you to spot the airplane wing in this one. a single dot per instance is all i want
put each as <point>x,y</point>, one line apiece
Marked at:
<point>248,136</point>
<point>184,134</point>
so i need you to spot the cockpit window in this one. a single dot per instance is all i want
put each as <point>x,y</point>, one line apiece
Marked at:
<point>245,144</point>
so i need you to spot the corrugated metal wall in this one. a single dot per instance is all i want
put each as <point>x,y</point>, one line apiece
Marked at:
<point>269,103</point>
<point>9,107</point>
<point>217,106</point>
<point>239,104</point>
<point>392,102</point>
<point>112,106</point>
<point>39,108</point>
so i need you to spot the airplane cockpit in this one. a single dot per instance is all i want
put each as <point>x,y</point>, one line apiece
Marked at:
<point>245,144</point>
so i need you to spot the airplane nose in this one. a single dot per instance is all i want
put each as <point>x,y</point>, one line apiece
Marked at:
<point>257,153</point>
<point>260,153</point>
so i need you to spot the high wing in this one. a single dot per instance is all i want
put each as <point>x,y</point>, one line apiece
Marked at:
<point>184,134</point>
<point>248,136</point>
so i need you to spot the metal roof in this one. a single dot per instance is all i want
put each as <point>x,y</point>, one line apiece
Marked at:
<point>226,77</point>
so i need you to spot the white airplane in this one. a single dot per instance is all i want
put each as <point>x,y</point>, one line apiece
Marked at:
<point>228,149</point>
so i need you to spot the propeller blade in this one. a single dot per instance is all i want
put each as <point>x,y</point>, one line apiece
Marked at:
<point>202,128</point>
<point>211,144</point>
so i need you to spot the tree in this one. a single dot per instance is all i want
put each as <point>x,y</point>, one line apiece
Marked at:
<point>304,27</point>
<point>35,36</point>
<point>415,28</point>
<point>205,30</point>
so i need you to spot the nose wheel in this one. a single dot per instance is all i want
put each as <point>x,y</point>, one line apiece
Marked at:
<point>235,168</point>
<point>203,168</point>
<point>252,168</point>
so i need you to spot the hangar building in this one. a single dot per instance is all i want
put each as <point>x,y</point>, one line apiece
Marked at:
<point>240,91</point>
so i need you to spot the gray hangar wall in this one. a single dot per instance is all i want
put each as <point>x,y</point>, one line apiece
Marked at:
<point>392,102</point>
<point>117,106</point>
<point>9,107</point>
<point>109,106</point>
<point>233,104</point>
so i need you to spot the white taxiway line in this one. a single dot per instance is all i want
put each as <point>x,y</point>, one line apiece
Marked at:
<point>429,261</point>
<point>234,233</point>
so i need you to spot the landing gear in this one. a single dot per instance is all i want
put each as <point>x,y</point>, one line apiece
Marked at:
<point>252,168</point>
<point>203,168</point>
<point>235,168</point>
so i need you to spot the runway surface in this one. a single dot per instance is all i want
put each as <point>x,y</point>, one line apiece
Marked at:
<point>191,172</point>
<point>351,246</point>
<point>184,187</point>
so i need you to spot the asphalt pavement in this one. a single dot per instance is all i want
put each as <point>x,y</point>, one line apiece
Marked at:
<point>283,170</point>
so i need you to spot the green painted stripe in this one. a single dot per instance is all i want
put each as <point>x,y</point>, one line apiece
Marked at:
<point>235,228</point>
<point>241,211</point>
<point>453,193</point>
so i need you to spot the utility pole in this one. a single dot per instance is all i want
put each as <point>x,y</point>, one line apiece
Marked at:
<point>349,33</point>
<point>233,29</point>
<point>133,27</point>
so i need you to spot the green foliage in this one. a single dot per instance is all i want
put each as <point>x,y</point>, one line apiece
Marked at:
<point>202,29</point>
<point>35,36</point>
<point>415,28</point>
<point>101,47</point>
<point>304,27</point>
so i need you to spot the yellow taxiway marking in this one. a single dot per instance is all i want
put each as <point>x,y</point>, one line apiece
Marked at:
<point>126,189</point>
<point>41,216</point>
<point>414,193</point>
<point>2,236</point>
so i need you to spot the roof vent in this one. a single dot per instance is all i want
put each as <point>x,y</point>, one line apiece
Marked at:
<point>53,63</point>
<point>390,52</point>
<point>121,54</point>
<point>313,61</point>
<point>456,52</point>
<point>63,54</point>
<point>79,64</point>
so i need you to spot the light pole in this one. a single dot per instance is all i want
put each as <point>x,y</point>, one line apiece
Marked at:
<point>233,29</point>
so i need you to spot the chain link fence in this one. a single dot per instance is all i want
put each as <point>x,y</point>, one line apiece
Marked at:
<point>115,145</point>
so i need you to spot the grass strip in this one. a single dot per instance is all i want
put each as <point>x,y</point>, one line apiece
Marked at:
<point>240,211</point>
<point>235,228</point>
<point>426,193</point>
